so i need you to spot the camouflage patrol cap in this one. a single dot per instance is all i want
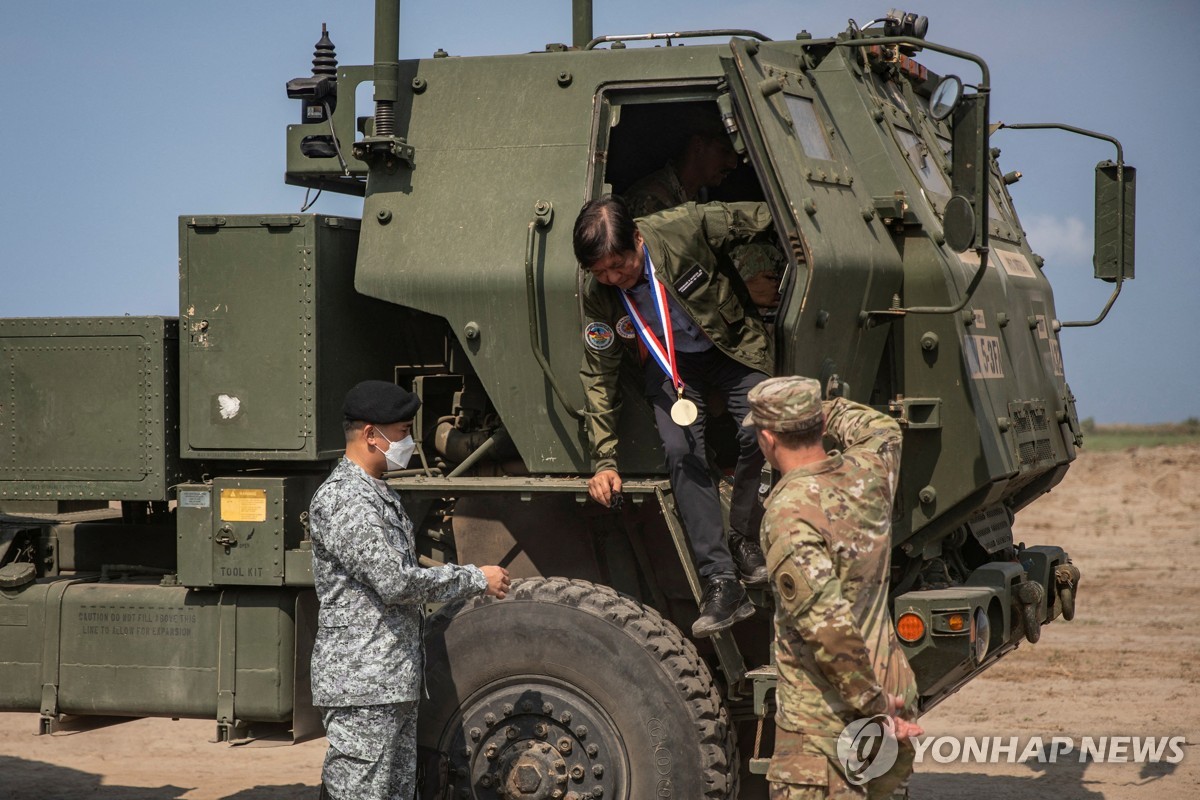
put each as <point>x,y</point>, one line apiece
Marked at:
<point>789,403</point>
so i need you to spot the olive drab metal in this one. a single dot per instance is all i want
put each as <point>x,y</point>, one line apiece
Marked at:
<point>161,565</point>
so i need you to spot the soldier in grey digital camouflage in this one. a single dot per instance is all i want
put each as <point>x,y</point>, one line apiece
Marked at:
<point>827,535</point>
<point>368,658</point>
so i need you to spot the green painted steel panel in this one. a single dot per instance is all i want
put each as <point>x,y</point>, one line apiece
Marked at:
<point>274,335</point>
<point>147,650</point>
<point>88,408</point>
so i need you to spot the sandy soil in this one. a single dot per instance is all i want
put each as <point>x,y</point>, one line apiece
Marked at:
<point>1128,665</point>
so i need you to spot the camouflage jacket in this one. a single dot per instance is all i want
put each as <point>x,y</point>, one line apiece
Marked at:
<point>368,649</point>
<point>661,189</point>
<point>655,192</point>
<point>685,244</point>
<point>827,535</point>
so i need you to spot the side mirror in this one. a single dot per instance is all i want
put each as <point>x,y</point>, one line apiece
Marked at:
<point>945,97</point>
<point>965,221</point>
<point>1115,205</point>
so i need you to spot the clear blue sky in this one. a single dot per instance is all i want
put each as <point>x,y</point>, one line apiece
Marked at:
<point>122,115</point>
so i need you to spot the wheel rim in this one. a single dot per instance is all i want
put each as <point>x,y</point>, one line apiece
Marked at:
<point>534,738</point>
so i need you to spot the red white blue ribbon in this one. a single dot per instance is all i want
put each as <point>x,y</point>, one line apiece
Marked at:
<point>664,356</point>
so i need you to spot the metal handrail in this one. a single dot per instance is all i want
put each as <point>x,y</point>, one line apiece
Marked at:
<point>643,37</point>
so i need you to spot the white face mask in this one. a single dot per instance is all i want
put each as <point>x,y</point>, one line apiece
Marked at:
<point>398,453</point>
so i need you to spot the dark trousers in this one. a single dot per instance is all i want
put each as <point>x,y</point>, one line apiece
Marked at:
<point>687,460</point>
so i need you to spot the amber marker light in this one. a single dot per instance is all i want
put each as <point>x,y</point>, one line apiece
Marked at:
<point>957,622</point>
<point>910,627</point>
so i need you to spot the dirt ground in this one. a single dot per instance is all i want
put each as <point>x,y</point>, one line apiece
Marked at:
<point>1128,665</point>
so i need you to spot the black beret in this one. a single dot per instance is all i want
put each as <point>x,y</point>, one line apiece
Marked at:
<point>380,402</point>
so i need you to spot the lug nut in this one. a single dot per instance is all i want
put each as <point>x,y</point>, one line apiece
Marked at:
<point>511,732</point>
<point>592,750</point>
<point>547,709</point>
<point>507,709</point>
<point>540,730</point>
<point>491,752</point>
<point>598,771</point>
<point>476,734</point>
<point>489,719</point>
<point>565,718</point>
<point>581,732</point>
<point>527,706</point>
<point>564,745</point>
<point>577,773</point>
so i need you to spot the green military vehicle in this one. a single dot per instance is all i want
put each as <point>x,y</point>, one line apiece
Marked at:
<point>160,564</point>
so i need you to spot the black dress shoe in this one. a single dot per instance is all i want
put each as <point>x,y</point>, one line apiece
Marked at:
<point>748,556</point>
<point>724,603</point>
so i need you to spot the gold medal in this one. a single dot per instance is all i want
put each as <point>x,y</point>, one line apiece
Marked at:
<point>683,412</point>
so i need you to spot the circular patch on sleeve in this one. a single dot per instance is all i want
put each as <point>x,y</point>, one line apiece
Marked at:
<point>787,586</point>
<point>795,594</point>
<point>598,336</point>
<point>625,328</point>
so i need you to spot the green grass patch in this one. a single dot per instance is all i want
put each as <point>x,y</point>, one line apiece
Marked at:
<point>1107,438</point>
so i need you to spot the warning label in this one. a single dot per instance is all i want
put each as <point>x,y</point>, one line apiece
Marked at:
<point>243,505</point>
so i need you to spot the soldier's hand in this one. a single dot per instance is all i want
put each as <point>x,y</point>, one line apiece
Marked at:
<point>904,729</point>
<point>603,485</point>
<point>497,581</point>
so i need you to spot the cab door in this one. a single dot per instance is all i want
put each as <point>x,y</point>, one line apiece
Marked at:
<point>843,260</point>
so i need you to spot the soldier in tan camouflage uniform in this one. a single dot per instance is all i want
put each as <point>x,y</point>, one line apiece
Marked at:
<point>368,657</point>
<point>827,535</point>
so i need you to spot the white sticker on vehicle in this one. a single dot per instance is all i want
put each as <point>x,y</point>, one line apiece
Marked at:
<point>1056,356</point>
<point>983,357</point>
<point>1015,264</point>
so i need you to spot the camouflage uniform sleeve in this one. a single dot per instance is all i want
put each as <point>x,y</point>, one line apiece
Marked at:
<point>861,429</point>
<point>727,225</point>
<point>600,375</point>
<point>647,202</point>
<point>809,597</point>
<point>363,552</point>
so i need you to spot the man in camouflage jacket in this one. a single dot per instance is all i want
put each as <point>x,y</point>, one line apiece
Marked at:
<point>703,162</point>
<point>827,535</point>
<point>720,348</point>
<point>368,657</point>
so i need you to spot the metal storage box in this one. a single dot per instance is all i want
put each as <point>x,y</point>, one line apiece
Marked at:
<point>274,335</point>
<point>240,531</point>
<point>70,646</point>
<point>88,408</point>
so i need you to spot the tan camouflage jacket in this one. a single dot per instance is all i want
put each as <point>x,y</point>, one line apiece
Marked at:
<point>827,535</point>
<point>684,244</point>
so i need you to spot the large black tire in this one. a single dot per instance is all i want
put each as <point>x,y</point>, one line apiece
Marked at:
<point>568,687</point>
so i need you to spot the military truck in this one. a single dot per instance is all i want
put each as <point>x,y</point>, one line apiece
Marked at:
<point>160,564</point>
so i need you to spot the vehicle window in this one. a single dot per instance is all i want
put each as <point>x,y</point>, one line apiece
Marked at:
<point>923,163</point>
<point>808,127</point>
